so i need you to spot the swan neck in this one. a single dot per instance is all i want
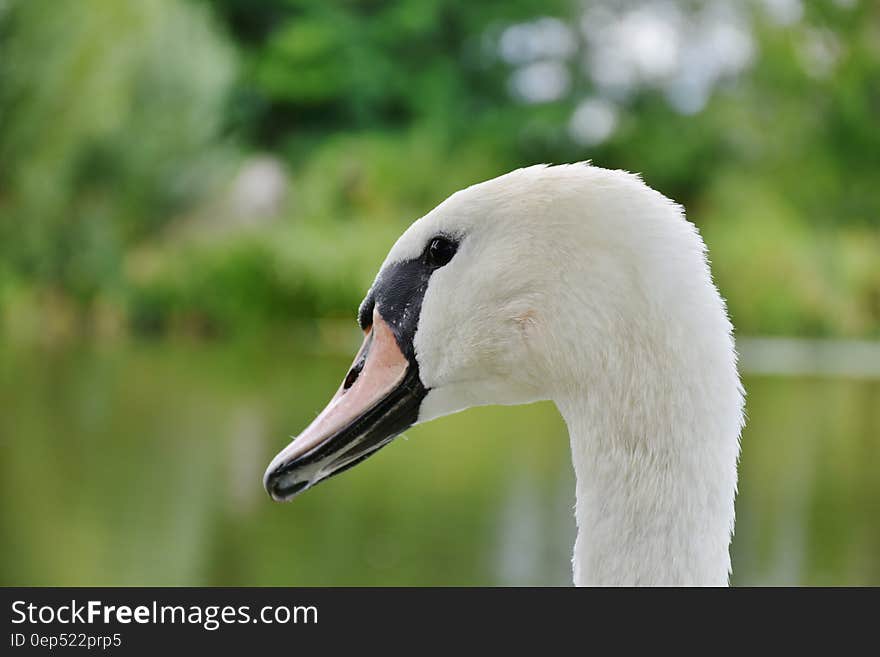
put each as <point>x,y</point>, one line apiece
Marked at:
<point>653,507</point>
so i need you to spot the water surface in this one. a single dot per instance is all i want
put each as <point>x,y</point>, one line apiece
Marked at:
<point>142,465</point>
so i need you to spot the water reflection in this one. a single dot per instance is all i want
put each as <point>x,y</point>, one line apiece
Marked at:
<point>143,465</point>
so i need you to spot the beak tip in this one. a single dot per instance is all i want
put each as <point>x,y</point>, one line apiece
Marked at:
<point>279,489</point>
<point>271,482</point>
<point>269,477</point>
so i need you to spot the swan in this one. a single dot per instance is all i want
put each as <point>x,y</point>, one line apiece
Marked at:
<point>583,286</point>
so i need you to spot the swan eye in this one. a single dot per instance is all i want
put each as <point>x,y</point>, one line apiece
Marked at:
<point>440,251</point>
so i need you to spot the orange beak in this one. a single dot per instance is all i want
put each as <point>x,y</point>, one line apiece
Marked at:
<point>378,400</point>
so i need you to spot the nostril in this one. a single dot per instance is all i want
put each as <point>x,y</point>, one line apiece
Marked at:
<point>353,375</point>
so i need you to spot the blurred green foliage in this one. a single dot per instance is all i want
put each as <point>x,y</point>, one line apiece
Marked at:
<point>122,127</point>
<point>110,115</point>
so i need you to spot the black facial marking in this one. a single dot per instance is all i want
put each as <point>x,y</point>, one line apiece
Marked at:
<point>365,312</point>
<point>400,289</point>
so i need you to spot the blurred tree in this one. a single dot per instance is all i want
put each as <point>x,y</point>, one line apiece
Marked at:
<point>116,117</point>
<point>802,91</point>
<point>318,67</point>
<point>110,120</point>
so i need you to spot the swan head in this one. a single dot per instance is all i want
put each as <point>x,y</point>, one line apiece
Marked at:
<point>546,283</point>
